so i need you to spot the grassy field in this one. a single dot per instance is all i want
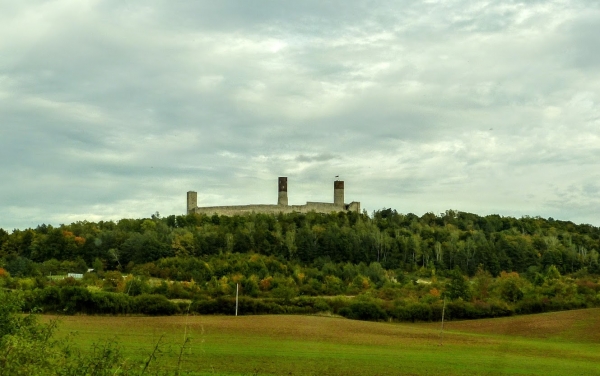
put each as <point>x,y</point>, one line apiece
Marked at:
<point>563,343</point>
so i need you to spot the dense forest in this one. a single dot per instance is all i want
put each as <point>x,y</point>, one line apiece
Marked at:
<point>387,265</point>
<point>396,241</point>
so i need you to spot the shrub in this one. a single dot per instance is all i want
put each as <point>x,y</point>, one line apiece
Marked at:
<point>154,305</point>
<point>284,293</point>
<point>321,306</point>
<point>76,299</point>
<point>111,303</point>
<point>337,304</point>
<point>464,310</point>
<point>412,312</point>
<point>247,305</point>
<point>364,311</point>
<point>30,348</point>
<point>46,299</point>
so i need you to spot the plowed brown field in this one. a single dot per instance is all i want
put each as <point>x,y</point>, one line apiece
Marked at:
<point>579,325</point>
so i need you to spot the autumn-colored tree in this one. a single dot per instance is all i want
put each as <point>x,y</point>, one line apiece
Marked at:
<point>265,283</point>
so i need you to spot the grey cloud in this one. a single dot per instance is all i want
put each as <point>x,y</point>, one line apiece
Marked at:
<point>315,158</point>
<point>579,43</point>
<point>117,108</point>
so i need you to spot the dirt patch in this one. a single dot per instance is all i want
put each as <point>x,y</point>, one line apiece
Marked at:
<point>578,325</point>
<point>276,327</point>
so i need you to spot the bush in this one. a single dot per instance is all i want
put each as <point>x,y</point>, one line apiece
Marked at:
<point>412,312</point>
<point>154,305</point>
<point>532,305</point>
<point>68,299</point>
<point>111,303</point>
<point>136,286</point>
<point>455,311</point>
<point>337,304</point>
<point>364,311</point>
<point>46,299</point>
<point>247,305</point>
<point>29,348</point>
<point>220,305</point>
<point>321,306</point>
<point>500,309</point>
<point>284,293</point>
<point>76,299</point>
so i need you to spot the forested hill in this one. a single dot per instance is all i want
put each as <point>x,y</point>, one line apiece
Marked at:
<point>397,241</point>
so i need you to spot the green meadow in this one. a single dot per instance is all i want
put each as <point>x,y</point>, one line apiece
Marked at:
<point>561,343</point>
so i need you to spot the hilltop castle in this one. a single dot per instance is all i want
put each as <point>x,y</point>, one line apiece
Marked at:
<point>282,206</point>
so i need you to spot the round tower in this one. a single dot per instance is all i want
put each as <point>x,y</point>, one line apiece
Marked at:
<point>282,198</point>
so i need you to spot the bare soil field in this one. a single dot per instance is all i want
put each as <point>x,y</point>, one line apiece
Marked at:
<point>579,325</point>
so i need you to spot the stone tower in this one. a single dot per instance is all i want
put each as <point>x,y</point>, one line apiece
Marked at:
<point>282,198</point>
<point>338,193</point>
<point>192,201</point>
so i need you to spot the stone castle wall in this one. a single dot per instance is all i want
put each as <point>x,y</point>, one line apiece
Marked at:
<point>317,207</point>
<point>282,207</point>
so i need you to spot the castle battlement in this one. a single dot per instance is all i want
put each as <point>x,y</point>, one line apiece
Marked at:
<point>282,206</point>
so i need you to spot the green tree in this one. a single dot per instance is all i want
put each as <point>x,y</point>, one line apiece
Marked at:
<point>458,286</point>
<point>552,273</point>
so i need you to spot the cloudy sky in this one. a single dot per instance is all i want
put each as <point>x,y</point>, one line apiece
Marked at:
<point>112,109</point>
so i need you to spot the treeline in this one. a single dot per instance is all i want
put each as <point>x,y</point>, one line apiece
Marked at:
<point>396,241</point>
<point>267,284</point>
<point>379,267</point>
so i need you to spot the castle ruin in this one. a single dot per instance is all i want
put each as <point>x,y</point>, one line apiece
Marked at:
<point>282,206</point>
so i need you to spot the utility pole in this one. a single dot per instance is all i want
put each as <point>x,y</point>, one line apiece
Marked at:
<point>237,291</point>
<point>442,330</point>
